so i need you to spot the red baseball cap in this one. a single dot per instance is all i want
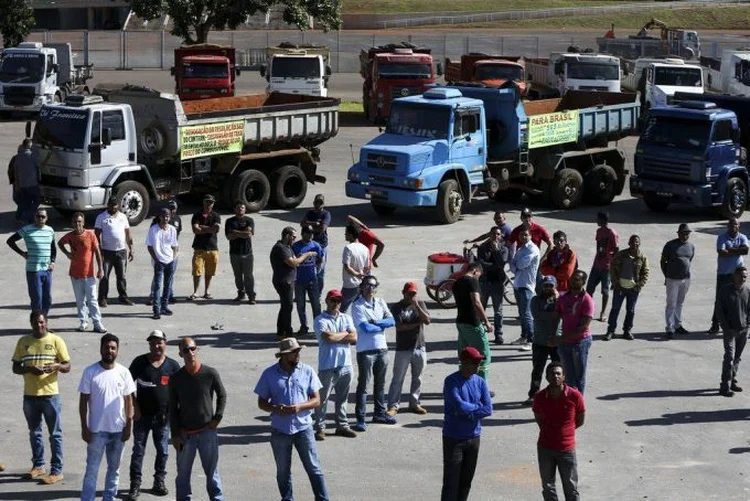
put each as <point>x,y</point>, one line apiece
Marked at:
<point>471,353</point>
<point>410,287</point>
<point>334,294</point>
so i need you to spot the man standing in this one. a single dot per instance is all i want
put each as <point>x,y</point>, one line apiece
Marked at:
<point>411,315</point>
<point>162,245</point>
<point>730,247</point>
<point>356,261</point>
<point>502,224</point>
<point>39,358</point>
<point>546,328</point>
<point>289,392</point>
<point>524,265</point>
<point>81,246</point>
<point>466,402</point>
<point>26,183</point>
<point>239,230</point>
<point>206,224</point>
<point>40,257</point>
<point>336,333</point>
<point>471,319</point>
<point>676,258</point>
<point>106,411</point>
<point>537,233</point>
<point>176,221</point>
<point>607,243</point>
<point>306,283</point>
<point>558,410</point>
<point>629,273</point>
<point>151,373</point>
<point>371,318</point>
<point>733,313</point>
<point>113,231</point>
<point>320,219</point>
<point>576,309</point>
<point>493,255</point>
<point>369,239</point>
<point>193,420</point>
<point>560,262</point>
<point>284,265</point>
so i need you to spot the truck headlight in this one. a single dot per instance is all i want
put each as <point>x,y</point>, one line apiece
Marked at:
<point>413,183</point>
<point>223,91</point>
<point>353,175</point>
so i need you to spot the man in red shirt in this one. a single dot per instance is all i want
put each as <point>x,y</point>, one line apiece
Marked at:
<point>369,239</point>
<point>558,410</point>
<point>538,233</point>
<point>607,242</point>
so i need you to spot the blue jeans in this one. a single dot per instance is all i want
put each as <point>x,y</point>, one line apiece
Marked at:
<point>371,363</point>
<point>34,409</point>
<point>304,442</point>
<point>161,285</point>
<point>494,291</point>
<point>27,202</point>
<point>523,299</point>
<point>312,291</point>
<point>339,380</point>
<point>101,443</point>
<point>350,294</point>
<point>39,284</point>
<point>629,297</point>
<point>574,358</point>
<point>159,425</point>
<point>206,443</point>
<point>84,289</point>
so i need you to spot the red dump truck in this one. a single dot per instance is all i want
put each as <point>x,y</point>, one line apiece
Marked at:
<point>204,71</point>
<point>487,69</point>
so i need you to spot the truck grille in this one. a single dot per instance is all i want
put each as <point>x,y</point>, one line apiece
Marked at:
<point>382,179</point>
<point>50,180</point>
<point>384,162</point>
<point>19,96</point>
<point>666,169</point>
<point>593,87</point>
<point>397,92</point>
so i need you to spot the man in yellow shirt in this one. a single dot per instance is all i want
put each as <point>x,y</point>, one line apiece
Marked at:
<point>39,357</point>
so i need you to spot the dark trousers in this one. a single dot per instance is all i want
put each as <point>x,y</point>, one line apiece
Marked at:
<point>734,344</point>
<point>630,298</point>
<point>459,463</point>
<point>284,318</point>
<point>493,290</point>
<point>119,261</point>
<point>159,426</point>
<point>27,201</point>
<point>721,281</point>
<point>539,355</point>
<point>242,267</point>
<point>549,463</point>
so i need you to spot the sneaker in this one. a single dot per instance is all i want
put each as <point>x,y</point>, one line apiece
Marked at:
<point>681,330</point>
<point>159,488</point>
<point>251,300</point>
<point>392,412</point>
<point>499,340</point>
<point>82,327</point>
<point>150,302</point>
<point>241,296</point>
<point>669,334</point>
<point>492,394</point>
<point>126,301</point>
<point>134,492</point>
<point>627,335</point>
<point>608,336</point>
<point>360,427</point>
<point>713,330</point>
<point>418,409</point>
<point>519,341</point>
<point>172,300</point>
<point>100,329</point>
<point>525,347</point>
<point>303,331</point>
<point>528,402</point>
<point>385,419</point>
<point>320,435</point>
<point>345,432</point>
<point>36,473</point>
<point>156,316</point>
<point>726,392</point>
<point>736,388</point>
<point>167,312</point>
<point>52,478</point>
<point>102,303</point>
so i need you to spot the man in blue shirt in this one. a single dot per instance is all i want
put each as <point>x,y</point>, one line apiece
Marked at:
<point>307,277</point>
<point>524,266</point>
<point>466,402</point>
<point>289,392</point>
<point>371,317</point>
<point>730,247</point>
<point>336,333</point>
<point>320,220</point>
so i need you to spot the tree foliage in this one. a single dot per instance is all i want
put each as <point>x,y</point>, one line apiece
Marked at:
<point>194,19</point>
<point>16,21</point>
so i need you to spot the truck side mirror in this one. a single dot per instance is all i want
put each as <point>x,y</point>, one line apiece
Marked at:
<point>263,70</point>
<point>439,69</point>
<point>106,136</point>
<point>237,71</point>
<point>329,72</point>
<point>28,128</point>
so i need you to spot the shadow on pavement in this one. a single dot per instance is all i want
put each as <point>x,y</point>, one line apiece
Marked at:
<point>706,392</point>
<point>40,495</point>
<point>739,450</point>
<point>236,340</point>
<point>694,417</point>
<point>244,435</point>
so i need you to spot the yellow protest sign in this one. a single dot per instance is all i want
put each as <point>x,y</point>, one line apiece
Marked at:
<point>553,128</point>
<point>211,139</point>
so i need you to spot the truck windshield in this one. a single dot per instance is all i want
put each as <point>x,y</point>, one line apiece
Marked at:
<point>61,127</point>
<point>593,71</point>
<point>681,77</point>
<point>676,133</point>
<point>21,68</point>
<point>411,119</point>
<point>497,72</point>
<point>295,67</point>
<point>206,70</point>
<point>404,70</point>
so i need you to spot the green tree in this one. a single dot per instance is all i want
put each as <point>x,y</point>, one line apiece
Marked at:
<point>16,21</point>
<point>194,19</point>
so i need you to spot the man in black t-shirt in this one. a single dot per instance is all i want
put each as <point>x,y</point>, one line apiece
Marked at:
<point>206,224</point>
<point>151,373</point>
<point>320,219</point>
<point>472,331</point>
<point>239,230</point>
<point>493,255</point>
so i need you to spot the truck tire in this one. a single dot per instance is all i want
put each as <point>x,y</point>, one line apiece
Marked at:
<point>252,188</point>
<point>383,209</point>
<point>449,201</point>
<point>600,185</point>
<point>735,198</point>
<point>288,186</point>
<point>566,190</point>
<point>654,202</point>
<point>134,201</point>
<point>153,139</point>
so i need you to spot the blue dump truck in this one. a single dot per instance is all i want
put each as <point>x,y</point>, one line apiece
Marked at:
<point>695,153</point>
<point>454,144</point>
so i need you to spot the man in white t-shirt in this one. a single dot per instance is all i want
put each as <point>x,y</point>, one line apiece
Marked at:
<point>162,245</point>
<point>356,261</point>
<point>113,231</point>
<point>106,411</point>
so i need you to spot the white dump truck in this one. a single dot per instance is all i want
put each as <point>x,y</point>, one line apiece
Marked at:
<point>297,69</point>
<point>728,74</point>
<point>551,77</point>
<point>657,80</point>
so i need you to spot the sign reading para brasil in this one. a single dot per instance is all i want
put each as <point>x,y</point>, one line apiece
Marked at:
<point>211,139</point>
<point>553,128</point>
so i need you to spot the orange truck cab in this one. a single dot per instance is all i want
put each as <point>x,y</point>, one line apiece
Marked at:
<point>490,70</point>
<point>204,71</point>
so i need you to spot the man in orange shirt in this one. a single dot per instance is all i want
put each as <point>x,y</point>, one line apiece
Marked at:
<point>561,261</point>
<point>369,239</point>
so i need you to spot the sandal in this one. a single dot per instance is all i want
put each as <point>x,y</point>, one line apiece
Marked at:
<point>191,297</point>
<point>207,296</point>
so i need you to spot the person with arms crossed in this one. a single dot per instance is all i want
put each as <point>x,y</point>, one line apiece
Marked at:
<point>730,247</point>
<point>240,230</point>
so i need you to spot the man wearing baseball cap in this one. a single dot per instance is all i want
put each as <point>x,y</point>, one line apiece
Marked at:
<point>466,402</point>
<point>320,219</point>
<point>288,391</point>
<point>537,232</point>
<point>151,372</point>
<point>206,223</point>
<point>676,258</point>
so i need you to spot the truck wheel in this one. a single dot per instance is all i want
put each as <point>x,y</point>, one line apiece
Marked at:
<point>153,139</point>
<point>600,185</point>
<point>654,202</point>
<point>383,209</point>
<point>288,187</point>
<point>134,201</point>
<point>735,198</point>
<point>566,189</point>
<point>449,202</point>
<point>252,188</point>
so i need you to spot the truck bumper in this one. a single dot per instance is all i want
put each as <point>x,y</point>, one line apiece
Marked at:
<point>82,199</point>
<point>696,195</point>
<point>34,107</point>
<point>392,196</point>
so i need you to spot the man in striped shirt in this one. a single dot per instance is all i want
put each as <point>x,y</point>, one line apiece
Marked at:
<point>40,257</point>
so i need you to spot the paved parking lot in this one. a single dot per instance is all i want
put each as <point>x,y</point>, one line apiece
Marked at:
<point>655,427</point>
